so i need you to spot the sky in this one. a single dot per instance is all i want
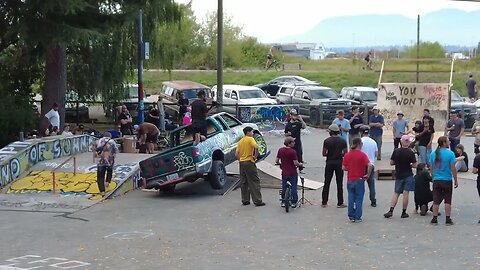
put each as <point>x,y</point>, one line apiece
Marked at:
<point>269,20</point>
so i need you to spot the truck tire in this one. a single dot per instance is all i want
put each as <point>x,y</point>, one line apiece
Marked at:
<point>314,117</point>
<point>262,146</point>
<point>217,176</point>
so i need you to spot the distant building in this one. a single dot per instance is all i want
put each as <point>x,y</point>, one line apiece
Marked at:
<point>311,51</point>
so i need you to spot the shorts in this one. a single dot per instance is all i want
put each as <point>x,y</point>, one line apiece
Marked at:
<point>200,127</point>
<point>152,138</point>
<point>405,184</point>
<point>442,190</point>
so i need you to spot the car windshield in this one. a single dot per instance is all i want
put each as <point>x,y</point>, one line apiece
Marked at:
<point>369,96</point>
<point>133,91</point>
<point>192,93</point>
<point>456,97</point>
<point>248,94</point>
<point>321,94</point>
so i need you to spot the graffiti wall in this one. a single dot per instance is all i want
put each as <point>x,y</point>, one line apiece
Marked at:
<point>267,117</point>
<point>17,157</point>
<point>412,99</point>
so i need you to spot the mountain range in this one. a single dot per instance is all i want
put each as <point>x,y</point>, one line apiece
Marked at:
<point>447,26</point>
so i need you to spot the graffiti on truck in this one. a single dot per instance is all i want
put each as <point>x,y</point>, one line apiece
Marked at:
<point>267,117</point>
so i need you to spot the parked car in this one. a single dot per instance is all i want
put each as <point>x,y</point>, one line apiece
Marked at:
<point>72,113</point>
<point>130,100</point>
<point>171,89</point>
<point>477,105</point>
<point>361,94</point>
<point>187,162</point>
<point>311,98</point>
<point>242,95</point>
<point>271,87</point>
<point>468,110</point>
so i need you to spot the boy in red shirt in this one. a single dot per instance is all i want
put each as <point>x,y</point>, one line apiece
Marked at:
<point>358,169</point>
<point>288,161</point>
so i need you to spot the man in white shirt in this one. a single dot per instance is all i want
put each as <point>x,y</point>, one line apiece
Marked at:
<point>370,149</point>
<point>53,116</point>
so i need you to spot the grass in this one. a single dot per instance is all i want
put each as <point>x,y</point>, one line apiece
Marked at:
<point>335,73</point>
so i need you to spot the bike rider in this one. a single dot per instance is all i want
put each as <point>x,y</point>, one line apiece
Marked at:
<point>287,159</point>
<point>368,59</point>
<point>269,58</point>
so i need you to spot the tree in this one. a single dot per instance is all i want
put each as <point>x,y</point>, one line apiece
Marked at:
<point>427,50</point>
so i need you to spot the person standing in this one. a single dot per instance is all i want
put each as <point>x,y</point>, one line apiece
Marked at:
<point>400,127</point>
<point>426,114</point>
<point>246,154</point>
<point>455,128</point>
<point>358,169</point>
<point>443,170</point>
<point>126,121</point>
<point>148,134</point>
<point>161,114</point>
<point>471,85</point>
<point>356,121</point>
<point>476,132</point>
<point>53,116</point>
<point>376,123</point>
<point>404,160</point>
<point>425,138</point>
<point>369,147</point>
<point>287,159</point>
<point>199,117</point>
<point>182,106</point>
<point>334,148</point>
<point>294,129</point>
<point>343,124</point>
<point>476,170</point>
<point>106,149</point>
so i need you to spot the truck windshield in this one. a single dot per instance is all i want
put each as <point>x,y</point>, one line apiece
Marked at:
<point>248,94</point>
<point>321,94</point>
<point>369,96</point>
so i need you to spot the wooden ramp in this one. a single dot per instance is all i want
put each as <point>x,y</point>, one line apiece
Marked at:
<point>384,171</point>
<point>271,176</point>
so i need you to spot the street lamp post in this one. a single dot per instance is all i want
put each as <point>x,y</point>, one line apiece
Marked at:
<point>220,52</point>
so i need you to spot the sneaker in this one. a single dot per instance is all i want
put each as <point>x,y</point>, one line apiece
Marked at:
<point>374,204</point>
<point>294,205</point>
<point>404,215</point>
<point>107,184</point>
<point>352,220</point>
<point>448,222</point>
<point>324,205</point>
<point>341,206</point>
<point>245,203</point>
<point>282,204</point>
<point>423,210</point>
<point>358,220</point>
<point>434,221</point>
<point>260,204</point>
<point>389,214</point>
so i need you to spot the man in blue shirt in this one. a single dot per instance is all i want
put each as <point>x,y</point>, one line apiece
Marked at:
<point>376,123</point>
<point>400,127</point>
<point>343,124</point>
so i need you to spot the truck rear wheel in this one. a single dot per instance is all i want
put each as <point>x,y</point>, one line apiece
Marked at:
<point>262,145</point>
<point>217,176</point>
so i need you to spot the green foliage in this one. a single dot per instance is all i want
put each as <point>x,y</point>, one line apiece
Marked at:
<point>427,50</point>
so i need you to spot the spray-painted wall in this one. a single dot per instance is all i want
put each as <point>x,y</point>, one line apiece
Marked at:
<point>17,157</point>
<point>267,117</point>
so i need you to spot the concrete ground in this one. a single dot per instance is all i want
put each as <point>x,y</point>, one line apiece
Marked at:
<point>196,228</point>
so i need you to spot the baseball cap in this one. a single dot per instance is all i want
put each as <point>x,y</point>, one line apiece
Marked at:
<point>136,127</point>
<point>400,113</point>
<point>293,111</point>
<point>365,129</point>
<point>375,108</point>
<point>334,128</point>
<point>405,138</point>
<point>288,140</point>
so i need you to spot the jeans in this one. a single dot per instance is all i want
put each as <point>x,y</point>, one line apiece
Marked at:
<point>378,140</point>
<point>298,148</point>
<point>396,142</point>
<point>424,154</point>
<point>293,181</point>
<point>329,170</point>
<point>371,185</point>
<point>478,187</point>
<point>356,190</point>
<point>101,170</point>
<point>453,144</point>
<point>461,166</point>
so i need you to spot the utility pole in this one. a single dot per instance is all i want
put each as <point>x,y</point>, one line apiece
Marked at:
<point>418,48</point>
<point>220,52</point>
<point>140,67</point>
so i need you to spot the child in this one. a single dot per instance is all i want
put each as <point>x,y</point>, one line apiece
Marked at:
<point>461,163</point>
<point>187,119</point>
<point>423,193</point>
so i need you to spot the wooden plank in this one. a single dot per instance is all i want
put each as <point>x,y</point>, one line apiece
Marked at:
<point>276,173</point>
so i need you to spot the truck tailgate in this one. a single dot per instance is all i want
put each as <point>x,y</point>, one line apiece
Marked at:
<point>167,163</point>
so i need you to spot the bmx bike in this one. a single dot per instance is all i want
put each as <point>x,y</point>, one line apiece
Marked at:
<point>274,65</point>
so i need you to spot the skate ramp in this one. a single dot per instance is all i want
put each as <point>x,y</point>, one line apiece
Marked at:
<point>271,177</point>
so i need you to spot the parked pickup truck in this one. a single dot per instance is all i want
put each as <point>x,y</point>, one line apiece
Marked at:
<point>186,162</point>
<point>312,98</point>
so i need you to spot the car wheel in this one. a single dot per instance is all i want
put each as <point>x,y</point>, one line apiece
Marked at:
<point>262,146</point>
<point>217,176</point>
<point>314,117</point>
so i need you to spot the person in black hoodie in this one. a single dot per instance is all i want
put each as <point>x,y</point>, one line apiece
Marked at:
<point>423,193</point>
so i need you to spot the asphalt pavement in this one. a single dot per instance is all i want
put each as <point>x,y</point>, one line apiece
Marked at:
<point>198,228</point>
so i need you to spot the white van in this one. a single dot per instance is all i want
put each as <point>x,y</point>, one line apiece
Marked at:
<point>242,95</point>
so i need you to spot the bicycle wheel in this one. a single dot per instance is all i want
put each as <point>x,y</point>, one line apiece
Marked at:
<point>286,198</point>
<point>278,66</point>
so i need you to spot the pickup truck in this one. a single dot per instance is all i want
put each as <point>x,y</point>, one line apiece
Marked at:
<point>312,98</point>
<point>187,162</point>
